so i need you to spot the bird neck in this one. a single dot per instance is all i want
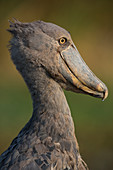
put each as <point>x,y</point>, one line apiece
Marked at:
<point>51,113</point>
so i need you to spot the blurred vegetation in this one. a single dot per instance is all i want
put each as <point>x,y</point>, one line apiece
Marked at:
<point>91,27</point>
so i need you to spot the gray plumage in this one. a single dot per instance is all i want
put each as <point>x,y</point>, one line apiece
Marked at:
<point>48,141</point>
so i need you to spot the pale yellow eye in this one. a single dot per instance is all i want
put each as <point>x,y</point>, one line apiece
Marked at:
<point>62,40</point>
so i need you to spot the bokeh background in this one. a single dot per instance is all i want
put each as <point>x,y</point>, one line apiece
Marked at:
<point>91,26</point>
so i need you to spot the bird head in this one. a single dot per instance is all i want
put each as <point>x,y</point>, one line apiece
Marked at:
<point>41,44</point>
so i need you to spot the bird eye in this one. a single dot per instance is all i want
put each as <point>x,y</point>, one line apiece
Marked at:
<point>62,40</point>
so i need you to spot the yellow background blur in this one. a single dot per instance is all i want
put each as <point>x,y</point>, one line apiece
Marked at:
<point>91,26</point>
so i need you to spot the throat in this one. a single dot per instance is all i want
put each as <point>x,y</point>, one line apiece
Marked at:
<point>51,114</point>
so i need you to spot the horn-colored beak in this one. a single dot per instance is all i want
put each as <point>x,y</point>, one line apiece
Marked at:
<point>75,71</point>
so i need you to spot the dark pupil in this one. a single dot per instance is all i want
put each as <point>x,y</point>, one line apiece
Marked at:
<point>62,40</point>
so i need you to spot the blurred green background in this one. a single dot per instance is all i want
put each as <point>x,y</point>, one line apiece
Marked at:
<point>91,26</point>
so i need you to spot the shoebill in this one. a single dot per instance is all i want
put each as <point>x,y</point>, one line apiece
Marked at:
<point>49,62</point>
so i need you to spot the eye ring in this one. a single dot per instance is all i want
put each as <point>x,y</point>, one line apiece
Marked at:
<point>62,40</point>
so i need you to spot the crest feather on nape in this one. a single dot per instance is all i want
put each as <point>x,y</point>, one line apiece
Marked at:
<point>20,28</point>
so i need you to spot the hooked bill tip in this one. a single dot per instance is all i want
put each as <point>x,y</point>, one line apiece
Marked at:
<point>105,94</point>
<point>101,87</point>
